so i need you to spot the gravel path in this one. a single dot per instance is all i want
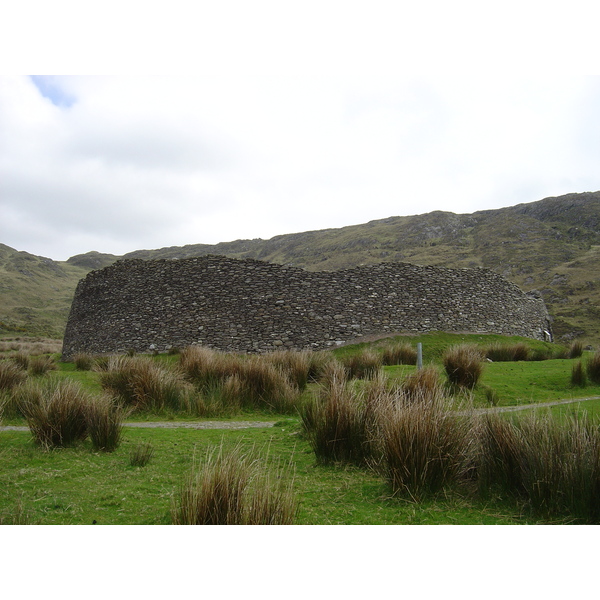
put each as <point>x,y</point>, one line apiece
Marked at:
<point>259,424</point>
<point>501,409</point>
<point>179,424</point>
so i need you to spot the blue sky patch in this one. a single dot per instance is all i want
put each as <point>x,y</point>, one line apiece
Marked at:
<point>49,87</point>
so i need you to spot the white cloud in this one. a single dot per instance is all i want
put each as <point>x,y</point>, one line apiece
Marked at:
<point>289,117</point>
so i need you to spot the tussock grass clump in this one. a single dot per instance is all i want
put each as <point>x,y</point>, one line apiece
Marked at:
<point>399,354</point>
<point>227,381</point>
<point>333,372</point>
<point>551,466</point>
<point>593,368</point>
<point>294,365</point>
<point>501,456</point>
<point>21,359</point>
<point>491,395</point>
<point>319,363</point>
<point>576,350</point>
<point>40,365</point>
<point>141,454</point>
<point>425,448</point>
<point>262,385</point>
<point>363,365</point>
<point>145,384</point>
<point>83,361</point>
<point>102,362</point>
<point>578,376</point>
<point>463,365</point>
<point>11,375</point>
<point>339,424</point>
<point>207,369</point>
<point>422,384</point>
<point>231,489</point>
<point>104,419</point>
<point>9,407</point>
<point>561,474</point>
<point>55,412</point>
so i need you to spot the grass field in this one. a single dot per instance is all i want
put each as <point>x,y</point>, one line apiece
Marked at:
<point>78,485</point>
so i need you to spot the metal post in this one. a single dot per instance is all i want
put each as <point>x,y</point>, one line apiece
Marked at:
<point>419,355</point>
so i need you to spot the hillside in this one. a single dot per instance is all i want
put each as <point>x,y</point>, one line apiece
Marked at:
<point>35,293</point>
<point>552,245</point>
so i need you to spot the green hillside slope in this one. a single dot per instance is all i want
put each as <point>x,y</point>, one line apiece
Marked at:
<point>552,245</point>
<point>35,293</point>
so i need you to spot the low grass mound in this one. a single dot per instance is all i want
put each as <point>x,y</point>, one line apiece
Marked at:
<point>501,352</point>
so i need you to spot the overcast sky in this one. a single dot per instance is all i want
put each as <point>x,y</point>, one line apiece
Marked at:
<point>234,120</point>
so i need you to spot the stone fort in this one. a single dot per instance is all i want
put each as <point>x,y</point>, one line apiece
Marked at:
<point>253,306</point>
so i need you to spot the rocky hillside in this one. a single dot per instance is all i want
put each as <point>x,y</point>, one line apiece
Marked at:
<point>552,245</point>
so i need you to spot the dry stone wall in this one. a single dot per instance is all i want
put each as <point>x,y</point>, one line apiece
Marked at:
<point>253,306</point>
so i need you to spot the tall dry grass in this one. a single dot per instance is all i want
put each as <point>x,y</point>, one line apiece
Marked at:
<point>363,365</point>
<point>40,365</point>
<point>262,385</point>
<point>425,447</point>
<point>576,349</point>
<point>83,361</point>
<point>422,384</point>
<point>401,353</point>
<point>231,488</point>
<point>207,369</point>
<point>561,473</point>
<point>11,375</point>
<point>500,457</point>
<point>104,419</point>
<point>320,363</point>
<point>551,466</point>
<point>226,381</point>
<point>339,423</point>
<point>463,365</point>
<point>21,359</point>
<point>143,384</point>
<point>33,346</point>
<point>593,368</point>
<point>578,376</point>
<point>294,365</point>
<point>55,412</point>
<point>141,454</point>
<point>501,352</point>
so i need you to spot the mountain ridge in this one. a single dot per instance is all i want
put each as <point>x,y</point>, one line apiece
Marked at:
<point>550,245</point>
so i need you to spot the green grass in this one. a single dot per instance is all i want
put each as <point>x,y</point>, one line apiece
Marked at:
<point>78,486</point>
<point>531,382</point>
